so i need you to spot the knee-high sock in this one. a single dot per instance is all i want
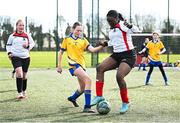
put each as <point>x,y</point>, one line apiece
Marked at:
<point>165,78</point>
<point>19,84</point>
<point>24,84</point>
<point>76,95</point>
<point>124,95</point>
<point>148,77</point>
<point>87,94</point>
<point>99,88</point>
<point>144,66</point>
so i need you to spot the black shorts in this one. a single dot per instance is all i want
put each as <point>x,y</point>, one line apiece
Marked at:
<point>19,62</point>
<point>128,57</point>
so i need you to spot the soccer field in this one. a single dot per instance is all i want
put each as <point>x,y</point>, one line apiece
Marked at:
<point>48,92</point>
<point>47,59</point>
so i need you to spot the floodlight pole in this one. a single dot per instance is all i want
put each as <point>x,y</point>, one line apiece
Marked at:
<point>130,18</point>
<point>92,36</point>
<point>26,23</point>
<point>98,28</point>
<point>168,31</point>
<point>57,38</point>
<point>80,11</point>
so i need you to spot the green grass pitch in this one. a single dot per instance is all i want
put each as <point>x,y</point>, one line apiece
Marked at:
<point>48,59</point>
<point>48,92</point>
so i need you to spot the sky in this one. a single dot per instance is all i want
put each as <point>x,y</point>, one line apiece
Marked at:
<point>44,11</point>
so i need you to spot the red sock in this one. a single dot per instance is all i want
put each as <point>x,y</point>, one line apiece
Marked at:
<point>124,95</point>
<point>99,88</point>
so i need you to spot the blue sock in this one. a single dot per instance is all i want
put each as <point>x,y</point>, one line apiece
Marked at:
<point>144,66</point>
<point>140,66</point>
<point>76,95</point>
<point>147,78</point>
<point>87,94</point>
<point>165,78</point>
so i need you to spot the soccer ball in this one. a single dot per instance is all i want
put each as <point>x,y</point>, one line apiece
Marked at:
<point>103,107</point>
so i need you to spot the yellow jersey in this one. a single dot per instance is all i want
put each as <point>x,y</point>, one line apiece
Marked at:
<point>75,48</point>
<point>154,49</point>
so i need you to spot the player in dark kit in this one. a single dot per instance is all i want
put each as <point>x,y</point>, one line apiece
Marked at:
<point>144,55</point>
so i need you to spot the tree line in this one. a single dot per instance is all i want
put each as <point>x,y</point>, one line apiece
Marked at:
<point>147,24</point>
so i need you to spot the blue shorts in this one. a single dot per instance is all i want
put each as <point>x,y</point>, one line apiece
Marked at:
<point>155,63</point>
<point>74,67</point>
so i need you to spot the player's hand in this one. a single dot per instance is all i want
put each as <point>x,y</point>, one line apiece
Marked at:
<point>104,44</point>
<point>10,56</point>
<point>128,25</point>
<point>59,69</point>
<point>26,45</point>
<point>139,52</point>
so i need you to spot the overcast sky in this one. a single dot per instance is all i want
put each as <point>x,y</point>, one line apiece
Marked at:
<point>44,11</point>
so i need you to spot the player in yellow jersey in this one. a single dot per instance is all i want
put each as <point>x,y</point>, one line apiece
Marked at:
<point>155,48</point>
<point>75,45</point>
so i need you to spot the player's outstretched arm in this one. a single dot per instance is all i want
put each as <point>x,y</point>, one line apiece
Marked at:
<point>142,51</point>
<point>162,51</point>
<point>95,49</point>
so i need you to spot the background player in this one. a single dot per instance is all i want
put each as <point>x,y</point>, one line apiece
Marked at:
<point>155,48</point>
<point>18,46</point>
<point>144,55</point>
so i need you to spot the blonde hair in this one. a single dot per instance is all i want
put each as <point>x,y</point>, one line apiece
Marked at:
<point>18,22</point>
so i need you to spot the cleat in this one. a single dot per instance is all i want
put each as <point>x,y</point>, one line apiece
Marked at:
<point>147,83</point>
<point>124,108</point>
<point>20,96</point>
<point>73,102</point>
<point>24,94</point>
<point>88,110</point>
<point>166,84</point>
<point>96,100</point>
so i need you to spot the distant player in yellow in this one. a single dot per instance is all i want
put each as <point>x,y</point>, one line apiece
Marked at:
<point>155,48</point>
<point>75,45</point>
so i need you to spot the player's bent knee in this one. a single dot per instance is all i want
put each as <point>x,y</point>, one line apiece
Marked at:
<point>87,80</point>
<point>99,68</point>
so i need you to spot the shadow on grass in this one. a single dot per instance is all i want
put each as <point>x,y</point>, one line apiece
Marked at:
<point>10,100</point>
<point>7,91</point>
<point>63,115</point>
<point>82,117</point>
<point>134,87</point>
<point>64,111</point>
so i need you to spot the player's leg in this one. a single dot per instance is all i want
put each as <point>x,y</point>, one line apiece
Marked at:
<point>25,67</point>
<point>163,74</point>
<point>16,62</point>
<point>122,71</point>
<point>85,79</point>
<point>141,64</point>
<point>151,67</point>
<point>77,93</point>
<point>144,63</point>
<point>108,64</point>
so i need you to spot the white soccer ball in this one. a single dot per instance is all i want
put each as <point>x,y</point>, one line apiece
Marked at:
<point>103,107</point>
